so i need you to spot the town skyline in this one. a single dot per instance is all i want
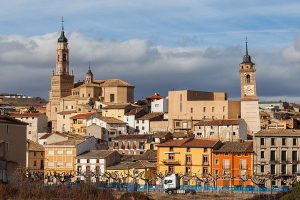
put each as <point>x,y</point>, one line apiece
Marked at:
<point>205,58</point>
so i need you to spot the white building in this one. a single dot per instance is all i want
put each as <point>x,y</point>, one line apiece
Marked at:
<point>160,105</point>
<point>225,130</point>
<point>269,105</point>
<point>37,123</point>
<point>131,116</point>
<point>113,127</point>
<point>96,161</point>
<point>143,123</point>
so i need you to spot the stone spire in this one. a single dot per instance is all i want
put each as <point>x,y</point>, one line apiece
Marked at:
<point>247,57</point>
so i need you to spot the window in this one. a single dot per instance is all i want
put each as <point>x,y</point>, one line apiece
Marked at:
<point>171,156</point>
<point>191,110</point>
<point>187,170</point>
<point>243,164</point>
<point>224,109</point>
<point>294,156</point>
<point>205,170</point>
<point>50,164</point>
<point>262,154</point>
<point>188,149</point>
<point>272,141</point>
<point>50,152</point>
<point>283,155</point>
<point>143,128</point>
<point>112,97</point>
<point>213,109</point>
<point>216,172</point>
<point>59,164</point>
<point>211,133</point>
<point>34,153</point>
<point>283,141</point>
<point>171,169</point>
<point>248,78</point>
<point>273,169</point>
<point>184,125</point>
<point>262,168</point>
<point>188,159</point>
<point>171,149</point>
<point>34,163</point>
<point>59,152</point>
<point>64,116</point>
<point>262,141</point>
<point>283,169</point>
<point>272,155</point>
<point>294,169</point>
<point>177,124</point>
<point>29,132</point>
<point>217,161</point>
<point>226,164</point>
<point>69,164</point>
<point>78,160</point>
<point>294,141</point>
<point>205,150</point>
<point>205,160</point>
<point>204,109</point>
<point>69,152</point>
<point>64,57</point>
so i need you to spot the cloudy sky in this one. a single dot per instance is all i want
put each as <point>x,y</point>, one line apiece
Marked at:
<point>156,45</point>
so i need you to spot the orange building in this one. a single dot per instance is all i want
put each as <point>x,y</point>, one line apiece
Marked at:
<point>233,164</point>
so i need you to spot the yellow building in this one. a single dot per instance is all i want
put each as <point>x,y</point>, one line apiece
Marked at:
<point>116,110</point>
<point>140,172</point>
<point>35,156</point>
<point>189,156</point>
<point>78,122</point>
<point>61,156</point>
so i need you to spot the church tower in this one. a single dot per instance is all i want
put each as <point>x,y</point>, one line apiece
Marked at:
<point>62,82</point>
<point>249,100</point>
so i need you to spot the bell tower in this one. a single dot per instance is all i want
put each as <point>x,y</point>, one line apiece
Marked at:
<point>62,82</point>
<point>249,100</point>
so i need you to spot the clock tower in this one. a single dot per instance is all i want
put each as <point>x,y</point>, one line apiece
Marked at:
<point>249,100</point>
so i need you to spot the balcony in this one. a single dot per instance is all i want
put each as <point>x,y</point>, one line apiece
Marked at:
<point>205,163</point>
<point>171,162</point>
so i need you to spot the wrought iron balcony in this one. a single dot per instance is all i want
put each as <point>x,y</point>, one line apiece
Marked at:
<point>171,162</point>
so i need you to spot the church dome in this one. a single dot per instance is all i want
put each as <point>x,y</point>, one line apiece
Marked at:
<point>62,37</point>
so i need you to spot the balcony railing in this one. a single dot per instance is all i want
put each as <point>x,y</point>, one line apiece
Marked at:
<point>171,162</point>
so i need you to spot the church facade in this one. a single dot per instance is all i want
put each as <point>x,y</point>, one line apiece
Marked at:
<point>67,96</point>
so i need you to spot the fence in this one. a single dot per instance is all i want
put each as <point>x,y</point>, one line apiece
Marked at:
<point>248,189</point>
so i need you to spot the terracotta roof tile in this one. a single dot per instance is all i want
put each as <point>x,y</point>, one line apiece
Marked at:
<point>190,142</point>
<point>152,116</point>
<point>236,147</point>
<point>33,146</point>
<point>83,115</point>
<point>112,120</point>
<point>115,83</point>
<point>117,106</point>
<point>278,132</point>
<point>133,137</point>
<point>25,114</point>
<point>97,154</point>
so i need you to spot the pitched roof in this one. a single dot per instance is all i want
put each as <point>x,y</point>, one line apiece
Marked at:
<point>4,119</point>
<point>99,154</point>
<point>190,142</point>
<point>134,111</point>
<point>149,155</point>
<point>181,135</point>
<point>133,137</point>
<point>160,134</point>
<point>66,135</point>
<point>117,106</point>
<point>25,114</point>
<point>33,146</point>
<point>112,120</point>
<point>278,132</point>
<point>83,115</point>
<point>67,112</point>
<point>115,83</point>
<point>141,164</point>
<point>152,116</point>
<point>235,147</point>
<point>70,142</point>
<point>156,96</point>
<point>218,122</point>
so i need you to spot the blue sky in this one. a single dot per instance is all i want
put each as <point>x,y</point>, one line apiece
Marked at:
<point>157,45</point>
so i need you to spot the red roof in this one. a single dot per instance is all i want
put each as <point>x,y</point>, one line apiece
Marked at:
<point>83,115</point>
<point>191,142</point>
<point>133,137</point>
<point>25,114</point>
<point>156,96</point>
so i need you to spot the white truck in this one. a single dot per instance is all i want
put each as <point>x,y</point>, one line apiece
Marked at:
<point>172,185</point>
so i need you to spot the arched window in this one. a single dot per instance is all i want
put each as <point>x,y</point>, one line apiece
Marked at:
<point>247,78</point>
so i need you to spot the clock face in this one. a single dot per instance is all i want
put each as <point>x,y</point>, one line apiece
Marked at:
<point>249,90</point>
